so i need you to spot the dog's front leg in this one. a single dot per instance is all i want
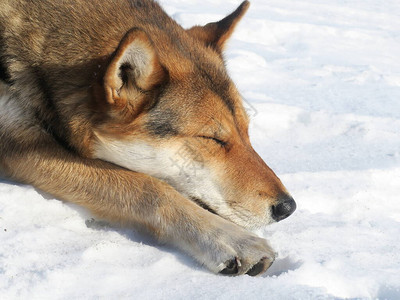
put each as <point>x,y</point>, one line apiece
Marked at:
<point>139,200</point>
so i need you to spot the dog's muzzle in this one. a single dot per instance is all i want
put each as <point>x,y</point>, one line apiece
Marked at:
<point>284,208</point>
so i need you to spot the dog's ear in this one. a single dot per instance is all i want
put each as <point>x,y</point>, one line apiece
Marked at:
<point>134,70</point>
<point>216,34</point>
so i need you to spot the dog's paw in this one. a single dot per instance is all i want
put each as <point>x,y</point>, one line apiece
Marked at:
<point>254,257</point>
<point>234,266</point>
<point>237,251</point>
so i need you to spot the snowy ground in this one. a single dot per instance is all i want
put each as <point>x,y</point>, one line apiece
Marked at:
<point>323,81</point>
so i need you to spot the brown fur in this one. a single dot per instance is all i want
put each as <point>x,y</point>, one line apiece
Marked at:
<point>81,72</point>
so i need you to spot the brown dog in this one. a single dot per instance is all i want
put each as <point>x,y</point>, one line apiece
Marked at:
<point>114,106</point>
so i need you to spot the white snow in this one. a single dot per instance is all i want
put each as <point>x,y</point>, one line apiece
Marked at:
<point>322,79</point>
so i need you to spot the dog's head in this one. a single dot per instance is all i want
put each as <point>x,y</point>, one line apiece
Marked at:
<point>172,112</point>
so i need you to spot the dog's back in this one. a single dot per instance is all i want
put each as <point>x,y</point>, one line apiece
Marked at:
<point>62,41</point>
<point>59,38</point>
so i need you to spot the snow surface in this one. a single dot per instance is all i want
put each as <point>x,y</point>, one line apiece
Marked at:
<point>322,79</point>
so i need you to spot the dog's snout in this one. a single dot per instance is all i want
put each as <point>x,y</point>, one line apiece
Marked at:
<point>284,208</point>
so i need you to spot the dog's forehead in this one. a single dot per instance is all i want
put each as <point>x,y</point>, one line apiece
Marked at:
<point>215,87</point>
<point>198,71</point>
<point>204,104</point>
<point>206,89</point>
<point>221,93</point>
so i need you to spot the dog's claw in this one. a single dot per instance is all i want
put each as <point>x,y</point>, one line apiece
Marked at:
<point>232,267</point>
<point>260,267</point>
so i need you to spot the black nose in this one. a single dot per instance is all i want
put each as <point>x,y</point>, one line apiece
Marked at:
<point>283,209</point>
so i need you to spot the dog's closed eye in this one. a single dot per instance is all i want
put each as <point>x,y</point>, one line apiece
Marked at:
<point>216,140</point>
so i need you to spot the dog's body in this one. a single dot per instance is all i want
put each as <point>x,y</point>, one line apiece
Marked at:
<point>118,108</point>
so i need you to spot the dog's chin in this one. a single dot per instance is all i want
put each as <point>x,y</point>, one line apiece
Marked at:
<point>254,226</point>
